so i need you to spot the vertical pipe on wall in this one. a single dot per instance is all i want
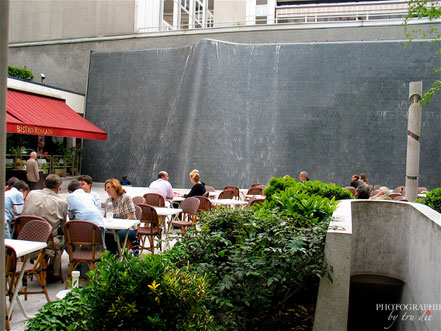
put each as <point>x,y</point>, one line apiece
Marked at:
<point>4,19</point>
<point>413,144</point>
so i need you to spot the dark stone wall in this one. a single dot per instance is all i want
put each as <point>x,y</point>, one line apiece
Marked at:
<point>244,113</point>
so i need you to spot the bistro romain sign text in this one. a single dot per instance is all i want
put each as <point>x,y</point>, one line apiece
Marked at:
<point>27,129</point>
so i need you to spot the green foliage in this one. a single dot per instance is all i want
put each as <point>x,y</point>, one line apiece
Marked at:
<point>135,294</point>
<point>22,73</point>
<point>309,187</point>
<point>305,209</point>
<point>432,199</point>
<point>424,9</point>
<point>67,314</point>
<point>254,264</point>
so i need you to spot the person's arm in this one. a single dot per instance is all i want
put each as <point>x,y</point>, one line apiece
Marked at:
<point>130,216</point>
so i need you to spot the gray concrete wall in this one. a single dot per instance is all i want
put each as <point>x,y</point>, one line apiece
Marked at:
<point>32,20</point>
<point>65,63</point>
<point>244,113</point>
<point>394,239</point>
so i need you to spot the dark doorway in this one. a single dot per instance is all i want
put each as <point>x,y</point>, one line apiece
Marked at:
<point>368,296</point>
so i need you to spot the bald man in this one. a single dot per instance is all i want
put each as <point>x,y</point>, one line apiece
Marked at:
<point>32,171</point>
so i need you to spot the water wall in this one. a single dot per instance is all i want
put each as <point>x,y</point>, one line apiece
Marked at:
<point>244,113</point>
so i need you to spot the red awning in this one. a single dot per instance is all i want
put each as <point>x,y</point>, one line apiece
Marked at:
<point>41,115</point>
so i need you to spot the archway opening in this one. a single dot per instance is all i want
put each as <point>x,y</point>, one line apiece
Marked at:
<point>368,297</point>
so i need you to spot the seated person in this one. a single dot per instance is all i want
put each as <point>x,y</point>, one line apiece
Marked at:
<point>46,203</point>
<point>125,180</point>
<point>123,207</point>
<point>10,183</point>
<point>383,194</point>
<point>355,181</point>
<point>363,191</point>
<point>86,182</point>
<point>162,186</point>
<point>81,205</point>
<point>198,188</point>
<point>14,201</point>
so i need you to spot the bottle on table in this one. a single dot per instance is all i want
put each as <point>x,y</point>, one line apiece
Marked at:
<point>109,210</point>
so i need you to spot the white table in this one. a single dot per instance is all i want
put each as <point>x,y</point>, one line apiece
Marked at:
<point>116,224</point>
<point>254,196</point>
<point>228,202</point>
<point>22,248</point>
<point>163,213</point>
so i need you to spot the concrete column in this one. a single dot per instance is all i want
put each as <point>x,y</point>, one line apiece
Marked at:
<point>4,21</point>
<point>191,16</point>
<point>413,144</point>
<point>271,11</point>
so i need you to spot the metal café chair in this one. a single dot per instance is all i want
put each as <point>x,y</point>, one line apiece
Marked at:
<point>226,194</point>
<point>137,200</point>
<point>10,272</point>
<point>35,230</point>
<point>235,189</point>
<point>188,219</point>
<point>204,204</point>
<point>82,233</point>
<point>154,199</point>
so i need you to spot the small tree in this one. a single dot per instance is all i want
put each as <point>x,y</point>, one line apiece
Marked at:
<point>424,9</point>
<point>22,73</point>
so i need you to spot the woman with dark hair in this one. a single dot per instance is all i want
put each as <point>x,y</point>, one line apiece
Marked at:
<point>123,207</point>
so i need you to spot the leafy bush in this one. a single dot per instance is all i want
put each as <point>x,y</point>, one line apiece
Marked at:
<point>307,210</point>
<point>67,314</point>
<point>432,199</point>
<point>254,265</point>
<point>22,73</point>
<point>136,294</point>
<point>310,187</point>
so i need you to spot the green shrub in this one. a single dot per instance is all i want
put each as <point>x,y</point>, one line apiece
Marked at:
<point>67,314</point>
<point>137,294</point>
<point>310,187</point>
<point>432,199</point>
<point>254,265</point>
<point>22,73</point>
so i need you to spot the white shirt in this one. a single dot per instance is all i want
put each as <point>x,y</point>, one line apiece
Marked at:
<point>161,186</point>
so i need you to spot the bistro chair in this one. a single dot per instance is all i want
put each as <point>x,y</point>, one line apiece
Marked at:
<point>10,272</point>
<point>374,192</point>
<point>377,187</point>
<point>149,229</point>
<point>35,230</point>
<point>20,222</point>
<point>257,190</point>
<point>422,189</point>
<point>154,199</point>
<point>188,219</point>
<point>236,191</point>
<point>255,202</point>
<point>209,188</point>
<point>226,194</point>
<point>137,200</point>
<point>82,233</point>
<point>395,195</point>
<point>204,204</point>
<point>138,211</point>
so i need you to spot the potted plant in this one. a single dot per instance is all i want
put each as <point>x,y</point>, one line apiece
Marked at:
<point>18,154</point>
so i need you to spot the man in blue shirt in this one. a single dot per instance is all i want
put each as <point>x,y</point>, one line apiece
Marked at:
<point>81,205</point>
<point>14,201</point>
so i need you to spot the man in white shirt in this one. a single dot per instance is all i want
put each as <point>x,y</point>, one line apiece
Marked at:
<point>162,186</point>
<point>81,205</point>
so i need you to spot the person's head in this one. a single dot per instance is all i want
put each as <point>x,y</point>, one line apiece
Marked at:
<point>363,191</point>
<point>86,182</point>
<point>354,178</point>
<point>74,185</point>
<point>53,182</point>
<point>11,181</point>
<point>163,175</point>
<point>22,187</point>
<point>125,177</point>
<point>33,155</point>
<point>113,188</point>
<point>303,176</point>
<point>385,190</point>
<point>194,176</point>
<point>364,178</point>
